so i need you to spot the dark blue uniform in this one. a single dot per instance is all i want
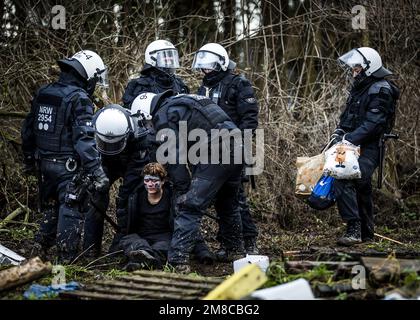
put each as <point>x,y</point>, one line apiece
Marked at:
<point>207,181</point>
<point>127,165</point>
<point>58,134</point>
<point>152,80</point>
<point>369,112</point>
<point>235,95</point>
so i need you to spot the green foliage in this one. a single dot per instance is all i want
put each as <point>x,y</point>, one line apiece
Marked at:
<point>412,281</point>
<point>277,274</point>
<point>341,296</point>
<point>113,273</point>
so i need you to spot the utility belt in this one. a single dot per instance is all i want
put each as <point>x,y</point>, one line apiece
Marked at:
<point>70,163</point>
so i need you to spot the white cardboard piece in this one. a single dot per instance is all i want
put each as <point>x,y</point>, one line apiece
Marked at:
<point>261,261</point>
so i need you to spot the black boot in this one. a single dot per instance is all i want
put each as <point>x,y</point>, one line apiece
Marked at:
<point>352,235</point>
<point>229,255</point>
<point>143,258</point>
<point>367,233</point>
<point>251,246</point>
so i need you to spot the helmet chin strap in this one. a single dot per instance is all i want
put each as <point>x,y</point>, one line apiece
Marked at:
<point>91,85</point>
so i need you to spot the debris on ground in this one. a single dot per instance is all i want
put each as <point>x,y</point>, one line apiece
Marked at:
<point>37,291</point>
<point>299,289</point>
<point>142,284</point>
<point>27,272</point>
<point>240,284</point>
<point>9,257</point>
<point>262,261</point>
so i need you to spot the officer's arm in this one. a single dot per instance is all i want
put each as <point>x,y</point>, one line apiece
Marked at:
<point>129,96</point>
<point>83,132</point>
<point>378,112</point>
<point>247,106</point>
<point>178,172</point>
<point>28,137</point>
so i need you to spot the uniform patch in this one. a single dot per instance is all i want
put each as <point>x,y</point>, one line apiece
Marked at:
<point>45,118</point>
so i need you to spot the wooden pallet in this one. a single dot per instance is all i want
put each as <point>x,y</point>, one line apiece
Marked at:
<point>145,285</point>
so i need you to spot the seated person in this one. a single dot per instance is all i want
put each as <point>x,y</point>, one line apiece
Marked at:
<point>150,220</point>
<point>150,223</point>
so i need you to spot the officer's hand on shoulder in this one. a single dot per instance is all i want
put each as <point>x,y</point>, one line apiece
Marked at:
<point>101,181</point>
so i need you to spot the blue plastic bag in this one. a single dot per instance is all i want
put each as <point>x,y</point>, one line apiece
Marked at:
<point>37,291</point>
<point>322,197</point>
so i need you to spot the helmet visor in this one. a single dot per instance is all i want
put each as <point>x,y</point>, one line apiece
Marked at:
<point>206,60</point>
<point>110,145</point>
<point>102,76</point>
<point>351,59</point>
<point>167,59</point>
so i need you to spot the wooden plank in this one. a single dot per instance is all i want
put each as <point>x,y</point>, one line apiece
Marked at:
<point>176,276</point>
<point>132,285</point>
<point>27,272</point>
<point>136,293</point>
<point>305,264</point>
<point>85,295</point>
<point>169,282</point>
<point>409,265</point>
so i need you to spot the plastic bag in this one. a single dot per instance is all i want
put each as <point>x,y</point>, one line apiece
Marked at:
<point>309,169</point>
<point>322,197</point>
<point>342,161</point>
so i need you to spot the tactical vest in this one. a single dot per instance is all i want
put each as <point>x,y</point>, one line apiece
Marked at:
<point>357,103</point>
<point>224,94</point>
<point>205,114</point>
<point>155,87</point>
<point>52,112</point>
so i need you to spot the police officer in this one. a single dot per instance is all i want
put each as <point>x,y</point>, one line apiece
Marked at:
<point>121,140</point>
<point>368,114</point>
<point>235,95</point>
<point>158,74</point>
<point>185,114</point>
<point>58,137</point>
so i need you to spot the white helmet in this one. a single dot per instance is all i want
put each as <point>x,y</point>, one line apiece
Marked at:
<point>89,65</point>
<point>162,54</point>
<point>214,57</point>
<point>112,128</point>
<point>367,58</point>
<point>143,104</point>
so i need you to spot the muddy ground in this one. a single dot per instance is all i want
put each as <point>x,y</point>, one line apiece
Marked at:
<point>316,234</point>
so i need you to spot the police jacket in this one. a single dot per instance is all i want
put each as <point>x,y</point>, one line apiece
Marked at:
<point>234,94</point>
<point>59,123</point>
<point>136,215</point>
<point>129,161</point>
<point>152,80</point>
<point>369,112</point>
<point>196,112</point>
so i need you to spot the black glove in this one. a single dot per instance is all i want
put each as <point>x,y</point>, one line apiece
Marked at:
<point>101,181</point>
<point>337,136</point>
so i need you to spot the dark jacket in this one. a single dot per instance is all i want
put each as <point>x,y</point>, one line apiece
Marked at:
<point>199,113</point>
<point>234,94</point>
<point>369,112</point>
<point>152,80</point>
<point>59,123</point>
<point>135,214</point>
